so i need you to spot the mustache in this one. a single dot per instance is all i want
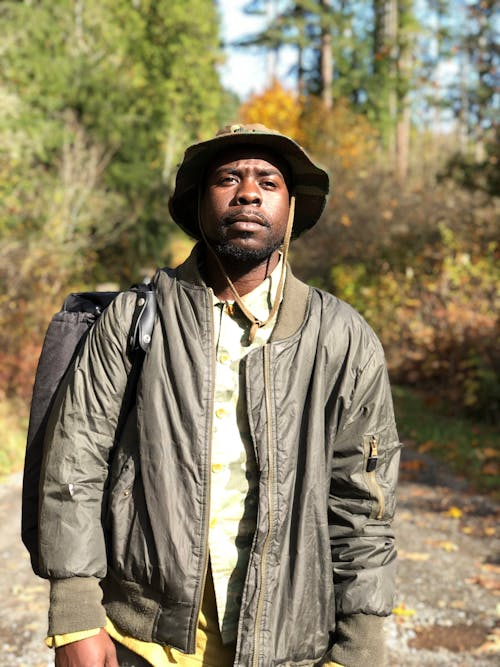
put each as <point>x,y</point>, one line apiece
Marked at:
<point>234,216</point>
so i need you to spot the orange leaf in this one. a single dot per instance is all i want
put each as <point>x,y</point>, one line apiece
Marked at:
<point>426,446</point>
<point>485,582</point>
<point>491,453</point>
<point>491,468</point>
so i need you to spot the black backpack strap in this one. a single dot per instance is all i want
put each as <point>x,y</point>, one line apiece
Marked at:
<point>141,328</point>
<point>139,338</point>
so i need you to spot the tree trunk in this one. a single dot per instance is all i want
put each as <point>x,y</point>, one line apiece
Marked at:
<point>384,67</point>
<point>403,143</point>
<point>326,57</point>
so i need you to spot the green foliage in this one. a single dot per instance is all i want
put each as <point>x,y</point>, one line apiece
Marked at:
<point>127,81</point>
<point>98,100</point>
<point>474,175</point>
<point>13,424</point>
<point>423,269</point>
<point>470,448</point>
<point>419,261</point>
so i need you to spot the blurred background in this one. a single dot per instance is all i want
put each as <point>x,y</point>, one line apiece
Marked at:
<point>396,98</point>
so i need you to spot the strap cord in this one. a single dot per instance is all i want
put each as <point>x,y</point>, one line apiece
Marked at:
<point>255,323</point>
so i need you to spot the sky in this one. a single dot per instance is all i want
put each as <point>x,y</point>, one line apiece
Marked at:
<point>245,69</point>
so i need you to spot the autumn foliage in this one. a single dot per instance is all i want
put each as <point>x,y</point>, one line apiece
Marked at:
<point>419,260</point>
<point>276,107</point>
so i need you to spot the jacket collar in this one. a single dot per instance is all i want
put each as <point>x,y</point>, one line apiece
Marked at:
<point>294,306</point>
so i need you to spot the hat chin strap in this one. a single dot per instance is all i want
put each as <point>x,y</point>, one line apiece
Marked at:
<point>255,324</point>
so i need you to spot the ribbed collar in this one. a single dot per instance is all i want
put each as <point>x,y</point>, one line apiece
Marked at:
<point>294,306</point>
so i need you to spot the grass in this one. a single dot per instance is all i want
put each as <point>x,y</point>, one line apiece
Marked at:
<point>13,427</point>
<point>471,449</point>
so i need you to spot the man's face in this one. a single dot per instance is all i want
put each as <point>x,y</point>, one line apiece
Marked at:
<point>245,204</point>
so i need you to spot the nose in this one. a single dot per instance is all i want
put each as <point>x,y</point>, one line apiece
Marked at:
<point>248,193</point>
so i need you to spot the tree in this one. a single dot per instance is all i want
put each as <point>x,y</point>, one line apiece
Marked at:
<point>480,44</point>
<point>138,80</point>
<point>394,32</point>
<point>99,97</point>
<point>307,26</point>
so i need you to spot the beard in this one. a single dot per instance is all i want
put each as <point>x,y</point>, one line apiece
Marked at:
<point>226,250</point>
<point>232,252</point>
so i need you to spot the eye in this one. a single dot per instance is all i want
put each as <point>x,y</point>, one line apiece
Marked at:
<point>269,184</point>
<point>227,179</point>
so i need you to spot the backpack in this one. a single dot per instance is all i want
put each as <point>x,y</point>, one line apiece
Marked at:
<point>64,338</point>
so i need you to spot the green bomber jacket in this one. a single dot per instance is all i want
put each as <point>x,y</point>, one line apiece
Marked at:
<point>124,525</point>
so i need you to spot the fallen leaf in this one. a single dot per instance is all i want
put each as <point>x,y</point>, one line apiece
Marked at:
<point>457,604</point>
<point>412,555</point>
<point>443,544</point>
<point>427,446</point>
<point>485,582</point>
<point>492,643</point>
<point>414,465</point>
<point>491,468</point>
<point>403,610</point>
<point>490,453</point>
<point>454,513</point>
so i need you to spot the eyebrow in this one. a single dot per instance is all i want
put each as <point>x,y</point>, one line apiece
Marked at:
<point>236,172</point>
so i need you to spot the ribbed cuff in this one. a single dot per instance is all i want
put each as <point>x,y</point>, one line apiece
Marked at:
<point>75,605</point>
<point>360,640</point>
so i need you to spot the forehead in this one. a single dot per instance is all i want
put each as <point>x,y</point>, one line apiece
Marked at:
<point>242,156</point>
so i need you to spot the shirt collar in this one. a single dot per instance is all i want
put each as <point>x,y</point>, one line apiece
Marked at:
<point>260,300</point>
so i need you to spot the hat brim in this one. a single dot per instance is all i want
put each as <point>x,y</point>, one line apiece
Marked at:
<point>310,182</point>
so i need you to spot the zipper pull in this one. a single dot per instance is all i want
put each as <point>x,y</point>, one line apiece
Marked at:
<point>371,464</point>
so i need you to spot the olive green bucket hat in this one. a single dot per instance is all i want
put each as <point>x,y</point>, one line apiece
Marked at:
<point>310,183</point>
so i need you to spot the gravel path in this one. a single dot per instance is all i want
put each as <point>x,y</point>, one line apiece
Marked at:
<point>23,612</point>
<point>448,599</point>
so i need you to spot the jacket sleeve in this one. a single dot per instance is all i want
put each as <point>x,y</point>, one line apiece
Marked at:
<point>79,439</point>
<point>361,504</point>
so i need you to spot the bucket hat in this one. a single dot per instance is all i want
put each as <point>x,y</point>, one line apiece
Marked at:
<point>310,183</point>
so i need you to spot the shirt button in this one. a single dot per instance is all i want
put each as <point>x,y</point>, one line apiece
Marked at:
<point>217,467</point>
<point>213,521</point>
<point>220,413</point>
<point>224,358</point>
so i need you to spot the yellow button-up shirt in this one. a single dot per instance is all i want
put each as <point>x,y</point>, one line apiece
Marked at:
<point>234,478</point>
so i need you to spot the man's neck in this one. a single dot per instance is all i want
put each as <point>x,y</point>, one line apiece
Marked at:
<point>245,278</point>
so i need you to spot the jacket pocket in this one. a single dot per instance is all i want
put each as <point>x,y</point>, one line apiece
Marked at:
<point>371,462</point>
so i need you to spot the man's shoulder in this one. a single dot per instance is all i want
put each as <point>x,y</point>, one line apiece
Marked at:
<point>332,306</point>
<point>339,320</point>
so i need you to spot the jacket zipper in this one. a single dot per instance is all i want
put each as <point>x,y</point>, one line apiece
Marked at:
<point>371,453</point>
<point>206,517</point>
<point>270,482</point>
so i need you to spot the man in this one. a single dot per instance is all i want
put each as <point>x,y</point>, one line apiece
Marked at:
<point>244,516</point>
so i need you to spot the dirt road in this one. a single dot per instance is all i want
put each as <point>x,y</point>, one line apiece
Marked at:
<point>23,612</point>
<point>448,600</point>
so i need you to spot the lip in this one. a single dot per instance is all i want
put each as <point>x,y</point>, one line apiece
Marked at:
<point>246,221</point>
<point>247,218</point>
<point>246,225</point>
